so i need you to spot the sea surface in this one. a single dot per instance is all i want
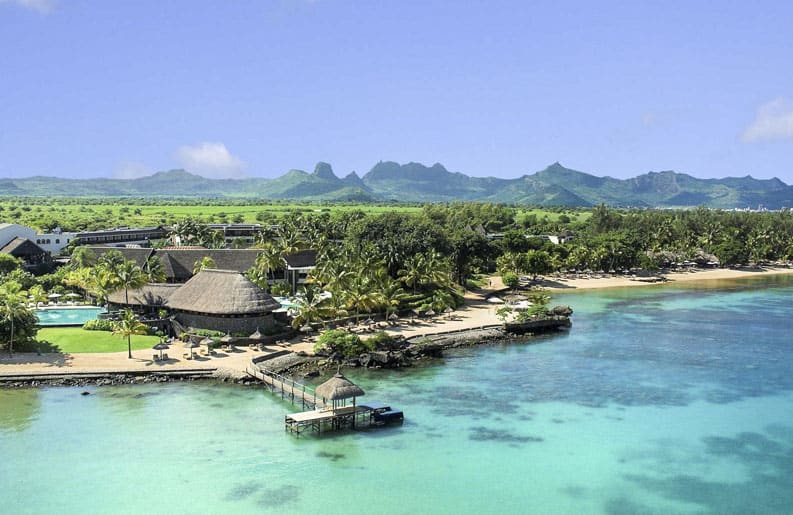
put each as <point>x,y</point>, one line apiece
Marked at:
<point>659,400</point>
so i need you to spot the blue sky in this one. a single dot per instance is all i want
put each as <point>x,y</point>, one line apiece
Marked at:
<point>488,88</point>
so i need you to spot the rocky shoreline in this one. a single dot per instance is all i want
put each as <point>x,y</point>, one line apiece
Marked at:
<point>408,351</point>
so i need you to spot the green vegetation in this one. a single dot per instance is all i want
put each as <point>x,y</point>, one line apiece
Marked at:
<point>338,340</point>
<point>98,325</point>
<point>75,339</point>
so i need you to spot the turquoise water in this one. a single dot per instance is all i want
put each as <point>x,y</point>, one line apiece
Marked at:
<point>660,400</point>
<point>67,316</point>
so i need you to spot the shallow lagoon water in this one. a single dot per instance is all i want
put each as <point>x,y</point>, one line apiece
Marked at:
<point>658,400</point>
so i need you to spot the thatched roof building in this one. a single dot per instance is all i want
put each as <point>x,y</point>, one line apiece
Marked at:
<point>222,292</point>
<point>223,300</point>
<point>152,295</point>
<point>339,387</point>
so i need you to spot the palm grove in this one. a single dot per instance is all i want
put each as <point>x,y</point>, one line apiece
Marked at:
<point>397,261</point>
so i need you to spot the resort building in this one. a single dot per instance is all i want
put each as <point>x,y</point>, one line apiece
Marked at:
<point>121,236</point>
<point>298,266</point>
<point>179,262</point>
<point>27,251</point>
<point>220,300</point>
<point>52,243</point>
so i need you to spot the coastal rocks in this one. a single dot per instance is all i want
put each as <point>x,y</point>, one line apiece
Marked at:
<point>562,311</point>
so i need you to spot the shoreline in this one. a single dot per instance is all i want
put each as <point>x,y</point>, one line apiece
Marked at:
<point>562,284</point>
<point>474,316</point>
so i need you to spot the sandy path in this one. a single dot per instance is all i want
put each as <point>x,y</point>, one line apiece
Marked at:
<point>30,363</point>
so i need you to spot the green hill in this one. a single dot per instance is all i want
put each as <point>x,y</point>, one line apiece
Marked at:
<point>415,182</point>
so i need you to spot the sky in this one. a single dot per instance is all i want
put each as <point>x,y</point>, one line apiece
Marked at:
<point>487,88</point>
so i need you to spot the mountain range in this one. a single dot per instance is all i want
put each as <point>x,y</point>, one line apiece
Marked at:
<point>415,182</point>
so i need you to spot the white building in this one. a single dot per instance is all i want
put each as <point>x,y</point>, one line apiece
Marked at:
<point>53,242</point>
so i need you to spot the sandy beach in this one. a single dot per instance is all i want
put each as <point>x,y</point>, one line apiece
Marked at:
<point>475,314</point>
<point>716,274</point>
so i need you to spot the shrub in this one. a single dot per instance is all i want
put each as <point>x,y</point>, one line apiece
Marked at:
<point>98,325</point>
<point>382,340</point>
<point>511,280</point>
<point>338,340</point>
<point>209,333</point>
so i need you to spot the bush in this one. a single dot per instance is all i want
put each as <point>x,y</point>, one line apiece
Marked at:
<point>338,340</point>
<point>209,333</point>
<point>511,280</point>
<point>382,340</point>
<point>98,325</point>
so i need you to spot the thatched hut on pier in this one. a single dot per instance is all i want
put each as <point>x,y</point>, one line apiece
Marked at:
<point>338,389</point>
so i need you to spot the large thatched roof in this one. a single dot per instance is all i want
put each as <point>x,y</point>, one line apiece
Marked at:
<point>151,294</point>
<point>338,387</point>
<point>222,292</point>
<point>178,262</point>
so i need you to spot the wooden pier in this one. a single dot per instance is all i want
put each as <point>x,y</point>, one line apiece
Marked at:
<point>289,389</point>
<point>323,414</point>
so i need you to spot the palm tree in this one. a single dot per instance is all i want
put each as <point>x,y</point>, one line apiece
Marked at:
<point>154,270</point>
<point>37,294</point>
<point>82,257</point>
<point>111,261</point>
<point>270,260</point>
<point>414,271</point>
<point>309,307</point>
<point>13,304</point>
<point>391,294</point>
<point>203,263</point>
<point>127,326</point>
<point>128,275</point>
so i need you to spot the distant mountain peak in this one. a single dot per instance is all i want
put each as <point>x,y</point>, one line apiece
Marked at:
<point>324,171</point>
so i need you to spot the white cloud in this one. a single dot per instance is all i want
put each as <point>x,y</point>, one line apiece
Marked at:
<point>131,170</point>
<point>41,6</point>
<point>210,159</point>
<point>774,121</point>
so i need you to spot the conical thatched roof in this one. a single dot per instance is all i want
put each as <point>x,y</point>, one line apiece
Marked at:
<point>222,292</point>
<point>338,387</point>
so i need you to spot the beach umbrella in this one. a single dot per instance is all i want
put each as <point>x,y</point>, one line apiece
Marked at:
<point>73,295</point>
<point>256,335</point>
<point>228,339</point>
<point>161,347</point>
<point>368,321</point>
<point>393,317</point>
<point>416,312</point>
<point>306,329</point>
<point>448,311</point>
<point>54,296</point>
<point>192,345</point>
<point>430,312</point>
<point>209,342</point>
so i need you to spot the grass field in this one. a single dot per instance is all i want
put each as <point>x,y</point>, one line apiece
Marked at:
<point>35,212</point>
<point>77,339</point>
<point>93,213</point>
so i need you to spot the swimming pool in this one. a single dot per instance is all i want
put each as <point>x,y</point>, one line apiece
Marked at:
<point>67,316</point>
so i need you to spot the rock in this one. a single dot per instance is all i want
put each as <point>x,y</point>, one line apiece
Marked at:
<point>564,311</point>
